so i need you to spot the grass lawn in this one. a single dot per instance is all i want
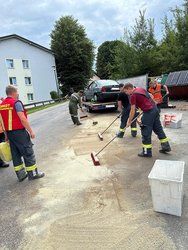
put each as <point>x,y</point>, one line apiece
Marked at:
<point>32,110</point>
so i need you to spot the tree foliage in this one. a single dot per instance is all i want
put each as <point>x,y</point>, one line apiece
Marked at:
<point>106,58</point>
<point>74,53</point>
<point>139,52</point>
<point>142,40</point>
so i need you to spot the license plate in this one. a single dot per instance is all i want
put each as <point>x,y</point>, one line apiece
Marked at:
<point>115,89</point>
<point>110,106</point>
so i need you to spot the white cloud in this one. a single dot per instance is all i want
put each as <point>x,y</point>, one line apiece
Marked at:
<point>103,19</point>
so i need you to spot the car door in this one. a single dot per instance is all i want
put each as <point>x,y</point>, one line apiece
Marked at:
<point>90,91</point>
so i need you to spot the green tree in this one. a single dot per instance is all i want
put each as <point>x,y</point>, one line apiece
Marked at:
<point>168,55</point>
<point>125,62</point>
<point>54,95</point>
<point>181,25</point>
<point>106,58</point>
<point>142,40</point>
<point>74,53</point>
<point>174,45</point>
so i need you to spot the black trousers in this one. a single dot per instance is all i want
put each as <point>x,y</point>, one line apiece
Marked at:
<point>2,137</point>
<point>159,107</point>
<point>124,118</point>
<point>21,146</point>
<point>151,122</point>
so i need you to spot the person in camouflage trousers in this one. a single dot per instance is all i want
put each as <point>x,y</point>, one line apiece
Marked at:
<point>75,103</point>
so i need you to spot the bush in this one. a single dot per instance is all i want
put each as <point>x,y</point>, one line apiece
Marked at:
<point>54,95</point>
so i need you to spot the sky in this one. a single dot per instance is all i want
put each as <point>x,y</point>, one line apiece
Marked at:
<point>104,20</point>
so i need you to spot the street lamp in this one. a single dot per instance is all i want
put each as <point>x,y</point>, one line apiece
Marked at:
<point>56,79</point>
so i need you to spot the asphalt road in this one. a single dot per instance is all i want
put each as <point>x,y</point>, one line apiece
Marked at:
<point>79,206</point>
<point>52,127</point>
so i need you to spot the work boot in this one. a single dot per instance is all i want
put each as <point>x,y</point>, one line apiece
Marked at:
<point>120,134</point>
<point>33,175</point>
<point>77,122</point>
<point>21,174</point>
<point>165,148</point>
<point>134,133</point>
<point>73,119</point>
<point>146,152</point>
<point>3,164</point>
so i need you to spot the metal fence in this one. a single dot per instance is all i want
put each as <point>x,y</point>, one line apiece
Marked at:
<point>43,103</point>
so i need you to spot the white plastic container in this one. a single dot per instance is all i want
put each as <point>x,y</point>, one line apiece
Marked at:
<point>172,120</point>
<point>166,181</point>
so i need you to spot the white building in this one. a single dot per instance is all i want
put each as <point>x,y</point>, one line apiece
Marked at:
<point>29,66</point>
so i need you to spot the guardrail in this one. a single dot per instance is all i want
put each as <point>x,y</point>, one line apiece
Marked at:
<point>43,103</point>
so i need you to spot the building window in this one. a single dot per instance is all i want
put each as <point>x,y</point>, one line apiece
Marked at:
<point>25,64</point>
<point>27,80</point>
<point>12,80</point>
<point>30,97</point>
<point>10,63</point>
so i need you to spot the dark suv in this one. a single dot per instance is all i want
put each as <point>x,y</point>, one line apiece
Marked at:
<point>102,90</point>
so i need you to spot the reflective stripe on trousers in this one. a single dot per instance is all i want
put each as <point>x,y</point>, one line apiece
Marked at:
<point>151,122</point>
<point>31,168</point>
<point>147,145</point>
<point>122,130</point>
<point>18,168</point>
<point>164,140</point>
<point>133,129</point>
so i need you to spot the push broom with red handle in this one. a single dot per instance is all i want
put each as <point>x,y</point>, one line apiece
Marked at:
<point>94,155</point>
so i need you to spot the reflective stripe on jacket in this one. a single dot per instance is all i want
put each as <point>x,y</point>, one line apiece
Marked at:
<point>9,116</point>
<point>75,98</point>
<point>156,92</point>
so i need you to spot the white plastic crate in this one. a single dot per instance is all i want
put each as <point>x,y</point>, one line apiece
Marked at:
<point>172,120</point>
<point>166,182</point>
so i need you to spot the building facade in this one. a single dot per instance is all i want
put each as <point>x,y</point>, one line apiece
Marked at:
<point>28,66</point>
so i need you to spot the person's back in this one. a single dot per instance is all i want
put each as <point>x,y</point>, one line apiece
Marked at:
<point>141,98</point>
<point>124,99</point>
<point>75,98</point>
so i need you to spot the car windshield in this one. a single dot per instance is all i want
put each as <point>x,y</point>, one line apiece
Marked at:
<point>107,82</point>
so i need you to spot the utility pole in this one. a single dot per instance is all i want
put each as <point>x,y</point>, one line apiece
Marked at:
<point>56,79</point>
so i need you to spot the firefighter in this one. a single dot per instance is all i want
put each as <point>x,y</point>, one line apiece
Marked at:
<point>150,121</point>
<point>75,101</point>
<point>19,134</point>
<point>2,139</point>
<point>155,89</point>
<point>124,107</point>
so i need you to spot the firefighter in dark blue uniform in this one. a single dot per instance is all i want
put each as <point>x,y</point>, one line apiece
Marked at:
<point>140,98</point>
